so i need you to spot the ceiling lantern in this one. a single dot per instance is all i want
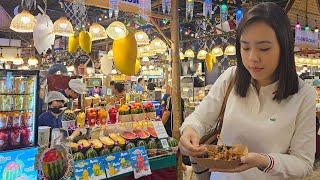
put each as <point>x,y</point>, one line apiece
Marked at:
<point>97,32</point>
<point>63,27</point>
<point>117,30</point>
<point>23,22</point>
<point>230,50</point>
<point>202,54</point>
<point>145,59</point>
<point>142,38</point>
<point>17,60</point>
<point>217,51</point>
<point>189,53</point>
<point>148,51</point>
<point>32,61</point>
<point>158,45</point>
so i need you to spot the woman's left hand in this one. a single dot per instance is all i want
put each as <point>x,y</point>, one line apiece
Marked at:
<point>253,160</point>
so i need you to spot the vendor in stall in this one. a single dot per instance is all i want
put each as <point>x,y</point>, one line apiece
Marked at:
<point>74,89</point>
<point>140,86</point>
<point>53,116</point>
<point>119,95</point>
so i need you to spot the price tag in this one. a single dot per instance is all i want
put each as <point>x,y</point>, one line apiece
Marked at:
<point>165,144</point>
<point>160,129</point>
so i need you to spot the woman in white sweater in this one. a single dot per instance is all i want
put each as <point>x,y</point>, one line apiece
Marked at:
<point>269,109</point>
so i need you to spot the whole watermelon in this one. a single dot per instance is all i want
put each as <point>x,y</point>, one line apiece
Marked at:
<point>116,149</point>
<point>130,145</point>
<point>152,144</point>
<point>172,142</point>
<point>54,164</point>
<point>91,153</point>
<point>105,151</point>
<point>78,156</point>
<point>142,143</point>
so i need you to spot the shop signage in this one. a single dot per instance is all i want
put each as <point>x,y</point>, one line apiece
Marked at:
<point>133,6</point>
<point>306,39</point>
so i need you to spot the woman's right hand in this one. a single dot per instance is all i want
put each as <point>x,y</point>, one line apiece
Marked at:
<point>189,143</point>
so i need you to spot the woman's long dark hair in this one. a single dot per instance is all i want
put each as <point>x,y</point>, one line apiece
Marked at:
<point>276,18</point>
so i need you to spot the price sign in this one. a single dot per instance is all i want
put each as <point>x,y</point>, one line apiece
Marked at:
<point>160,129</point>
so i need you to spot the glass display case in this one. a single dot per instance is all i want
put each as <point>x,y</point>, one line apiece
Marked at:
<point>18,109</point>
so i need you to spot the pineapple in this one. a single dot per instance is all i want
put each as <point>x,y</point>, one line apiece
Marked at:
<point>69,115</point>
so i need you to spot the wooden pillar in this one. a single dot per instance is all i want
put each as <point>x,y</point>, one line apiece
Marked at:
<point>176,92</point>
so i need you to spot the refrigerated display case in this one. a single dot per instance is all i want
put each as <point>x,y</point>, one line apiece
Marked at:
<point>18,123</point>
<point>18,109</point>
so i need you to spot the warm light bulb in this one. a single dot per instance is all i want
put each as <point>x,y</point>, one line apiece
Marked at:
<point>25,20</point>
<point>96,30</point>
<point>63,25</point>
<point>316,30</point>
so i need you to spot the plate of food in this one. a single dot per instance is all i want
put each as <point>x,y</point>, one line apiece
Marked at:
<point>222,156</point>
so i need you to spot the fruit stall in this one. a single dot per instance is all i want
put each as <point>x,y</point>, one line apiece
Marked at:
<point>110,143</point>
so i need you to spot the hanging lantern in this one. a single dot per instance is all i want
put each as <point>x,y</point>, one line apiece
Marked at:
<point>148,51</point>
<point>181,56</point>
<point>62,27</point>
<point>114,8</point>
<point>189,9</point>
<point>17,60</point>
<point>23,22</point>
<point>217,51</point>
<point>32,61</point>
<point>207,9</point>
<point>97,32</point>
<point>166,6</point>
<point>230,50</point>
<point>239,15</point>
<point>144,68</point>
<point>43,36</point>
<point>117,30</point>
<point>189,53</point>
<point>142,38</point>
<point>158,45</point>
<point>202,54</point>
<point>223,14</point>
<point>145,59</point>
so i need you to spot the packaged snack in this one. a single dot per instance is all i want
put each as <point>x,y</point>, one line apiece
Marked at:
<point>26,138</point>
<point>14,119</point>
<point>6,103</point>
<point>4,139</point>
<point>27,102</point>
<point>3,120</point>
<point>15,136</point>
<point>19,85</point>
<point>26,119</point>
<point>29,86</point>
<point>18,102</point>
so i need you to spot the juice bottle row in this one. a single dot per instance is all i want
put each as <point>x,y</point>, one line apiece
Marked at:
<point>15,102</point>
<point>15,119</point>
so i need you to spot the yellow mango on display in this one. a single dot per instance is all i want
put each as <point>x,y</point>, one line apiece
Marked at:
<point>73,43</point>
<point>125,54</point>
<point>137,67</point>
<point>85,41</point>
<point>209,62</point>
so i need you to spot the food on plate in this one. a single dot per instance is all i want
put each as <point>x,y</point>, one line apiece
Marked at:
<point>129,135</point>
<point>96,143</point>
<point>142,134</point>
<point>84,143</point>
<point>106,141</point>
<point>117,138</point>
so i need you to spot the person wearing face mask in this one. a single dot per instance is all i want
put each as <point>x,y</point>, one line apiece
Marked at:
<point>53,116</point>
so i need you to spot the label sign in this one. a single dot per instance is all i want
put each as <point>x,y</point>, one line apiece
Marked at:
<point>160,129</point>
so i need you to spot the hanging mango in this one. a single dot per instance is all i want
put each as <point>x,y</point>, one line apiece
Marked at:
<point>73,43</point>
<point>85,41</point>
<point>137,67</point>
<point>209,62</point>
<point>125,54</point>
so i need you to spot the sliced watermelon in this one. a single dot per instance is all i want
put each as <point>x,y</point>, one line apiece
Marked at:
<point>129,135</point>
<point>152,132</point>
<point>142,134</point>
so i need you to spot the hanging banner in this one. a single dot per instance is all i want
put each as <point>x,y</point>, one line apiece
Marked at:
<point>306,39</point>
<point>133,6</point>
